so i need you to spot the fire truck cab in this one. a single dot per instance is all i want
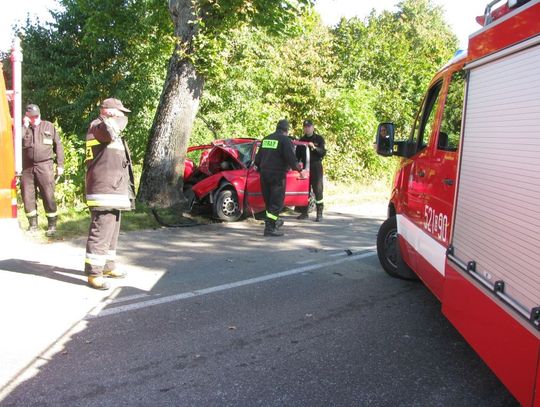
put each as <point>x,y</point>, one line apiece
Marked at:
<point>463,212</point>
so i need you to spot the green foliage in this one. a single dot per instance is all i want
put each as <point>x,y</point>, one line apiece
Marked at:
<point>69,191</point>
<point>351,155</point>
<point>97,49</point>
<point>399,54</point>
<point>262,61</point>
<point>219,20</point>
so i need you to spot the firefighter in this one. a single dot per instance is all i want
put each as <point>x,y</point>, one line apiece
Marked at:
<point>274,158</point>
<point>317,153</point>
<point>109,190</point>
<point>41,146</point>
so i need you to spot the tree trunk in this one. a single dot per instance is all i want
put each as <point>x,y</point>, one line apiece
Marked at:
<point>163,169</point>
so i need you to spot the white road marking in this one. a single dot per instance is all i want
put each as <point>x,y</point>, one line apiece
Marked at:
<point>182,296</point>
<point>306,261</point>
<point>129,298</point>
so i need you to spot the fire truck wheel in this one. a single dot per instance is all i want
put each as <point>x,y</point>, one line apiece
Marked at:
<point>388,251</point>
<point>226,206</point>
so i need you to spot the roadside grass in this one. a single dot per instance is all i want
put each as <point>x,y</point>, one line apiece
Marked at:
<point>74,222</point>
<point>339,193</point>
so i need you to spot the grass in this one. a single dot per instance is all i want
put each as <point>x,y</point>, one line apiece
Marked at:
<point>74,222</point>
<point>336,193</point>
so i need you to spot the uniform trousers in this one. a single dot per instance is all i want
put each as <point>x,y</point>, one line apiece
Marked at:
<point>39,176</point>
<point>316,180</point>
<point>273,190</point>
<point>102,241</point>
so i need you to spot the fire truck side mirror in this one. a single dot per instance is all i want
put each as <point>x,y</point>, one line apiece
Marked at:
<point>384,141</point>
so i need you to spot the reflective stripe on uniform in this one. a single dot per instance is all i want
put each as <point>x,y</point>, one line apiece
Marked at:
<point>112,200</point>
<point>31,213</point>
<point>273,144</point>
<point>111,255</point>
<point>270,216</point>
<point>95,259</point>
<point>51,214</point>
<point>115,145</point>
<point>91,143</point>
<point>319,202</point>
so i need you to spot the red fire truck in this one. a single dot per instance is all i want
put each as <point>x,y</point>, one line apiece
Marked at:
<point>10,131</point>
<point>463,213</point>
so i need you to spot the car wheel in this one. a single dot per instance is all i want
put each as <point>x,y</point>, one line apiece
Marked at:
<point>388,251</point>
<point>226,206</point>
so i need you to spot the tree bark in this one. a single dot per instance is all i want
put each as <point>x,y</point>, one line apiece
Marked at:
<point>163,169</point>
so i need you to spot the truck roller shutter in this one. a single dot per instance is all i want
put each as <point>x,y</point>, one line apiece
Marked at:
<point>496,234</point>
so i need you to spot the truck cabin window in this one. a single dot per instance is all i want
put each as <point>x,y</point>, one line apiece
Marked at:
<point>425,119</point>
<point>451,122</point>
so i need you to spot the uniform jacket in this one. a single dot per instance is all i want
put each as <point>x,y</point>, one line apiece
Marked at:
<point>109,174</point>
<point>276,153</point>
<point>319,151</point>
<point>41,144</point>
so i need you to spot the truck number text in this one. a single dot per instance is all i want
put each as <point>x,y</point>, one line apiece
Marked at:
<point>435,223</point>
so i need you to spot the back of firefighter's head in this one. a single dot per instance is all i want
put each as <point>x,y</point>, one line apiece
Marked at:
<point>33,114</point>
<point>112,107</point>
<point>283,126</point>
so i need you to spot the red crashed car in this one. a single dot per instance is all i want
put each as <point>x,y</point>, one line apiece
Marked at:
<point>221,176</point>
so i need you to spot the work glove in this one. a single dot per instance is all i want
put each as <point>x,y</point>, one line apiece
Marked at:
<point>59,171</point>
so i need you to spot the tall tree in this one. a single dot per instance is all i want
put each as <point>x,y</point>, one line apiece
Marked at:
<point>202,28</point>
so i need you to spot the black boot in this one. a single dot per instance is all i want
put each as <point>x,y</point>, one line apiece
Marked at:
<point>303,213</point>
<point>319,217</point>
<point>51,227</point>
<point>32,223</point>
<point>270,228</point>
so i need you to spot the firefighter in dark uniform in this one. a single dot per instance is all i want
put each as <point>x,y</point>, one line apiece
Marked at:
<point>109,190</point>
<point>40,146</point>
<point>273,160</point>
<point>317,153</point>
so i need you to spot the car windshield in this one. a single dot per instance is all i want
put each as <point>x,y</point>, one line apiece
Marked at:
<point>245,151</point>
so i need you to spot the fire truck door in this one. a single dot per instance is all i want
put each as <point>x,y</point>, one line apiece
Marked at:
<point>411,223</point>
<point>442,171</point>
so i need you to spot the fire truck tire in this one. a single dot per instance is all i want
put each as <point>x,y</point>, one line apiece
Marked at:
<point>388,251</point>
<point>226,206</point>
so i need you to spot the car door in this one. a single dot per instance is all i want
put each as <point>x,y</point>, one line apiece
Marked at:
<point>297,186</point>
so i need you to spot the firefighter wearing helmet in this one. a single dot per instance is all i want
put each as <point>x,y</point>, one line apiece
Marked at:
<point>109,190</point>
<point>41,146</point>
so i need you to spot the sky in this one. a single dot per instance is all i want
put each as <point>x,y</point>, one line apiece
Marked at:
<point>460,14</point>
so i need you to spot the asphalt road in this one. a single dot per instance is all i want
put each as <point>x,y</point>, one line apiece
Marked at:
<point>218,315</point>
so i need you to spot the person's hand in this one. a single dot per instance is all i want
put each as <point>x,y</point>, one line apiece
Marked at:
<point>59,171</point>
<point>301,174</point>
<point>26,121</point>
<point>311,145</point>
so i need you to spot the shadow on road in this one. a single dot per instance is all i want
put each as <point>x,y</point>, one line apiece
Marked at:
<point>41,270</point>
